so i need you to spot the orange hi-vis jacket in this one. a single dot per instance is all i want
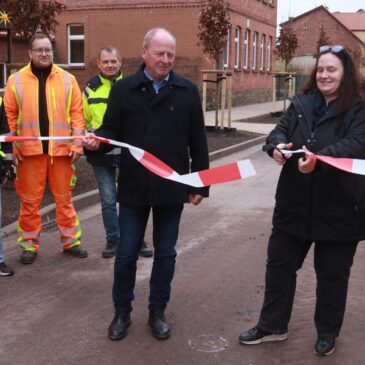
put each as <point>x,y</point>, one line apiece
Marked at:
<point>64,108</point>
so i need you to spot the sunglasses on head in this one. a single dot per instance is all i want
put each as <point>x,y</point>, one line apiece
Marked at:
<point>334,49</point>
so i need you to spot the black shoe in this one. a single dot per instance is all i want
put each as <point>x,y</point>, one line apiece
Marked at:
<point>145,251</point>
<point>5,270</point>
<point>76,251</point>
<point>118,328</point>
<point>324,346</point>
<point>160,327</point>
<point>28,257</point>
<point>110,248</point>
<point>255,336</point>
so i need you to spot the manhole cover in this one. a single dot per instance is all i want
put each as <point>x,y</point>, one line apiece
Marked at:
<point>208,343</point>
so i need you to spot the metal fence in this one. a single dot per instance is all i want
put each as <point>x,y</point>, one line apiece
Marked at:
<point>286,84</point>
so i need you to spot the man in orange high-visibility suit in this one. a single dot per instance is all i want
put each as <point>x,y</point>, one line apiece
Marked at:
<point>42,99</point>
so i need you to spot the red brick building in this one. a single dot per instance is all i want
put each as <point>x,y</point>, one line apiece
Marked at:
<point>19,55</point>
<point>353,21</point>
<point>307,27</point>
<point>87,25</point>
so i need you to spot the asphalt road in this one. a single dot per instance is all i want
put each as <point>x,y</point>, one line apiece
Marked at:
<point>57,310</point>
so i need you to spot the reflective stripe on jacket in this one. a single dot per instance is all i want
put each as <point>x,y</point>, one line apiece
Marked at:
<point>95,99</point>
<point>64,108</point>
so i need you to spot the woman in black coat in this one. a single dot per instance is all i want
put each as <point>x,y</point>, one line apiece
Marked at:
<point>316,202</point>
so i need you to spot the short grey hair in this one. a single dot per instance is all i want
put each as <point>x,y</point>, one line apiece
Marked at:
<point>152,32</point>
<point>110,49</point>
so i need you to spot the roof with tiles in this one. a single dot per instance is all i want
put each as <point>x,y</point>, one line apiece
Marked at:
<point>352,21</point>
<point>326,10</point>
<point>126,4</point>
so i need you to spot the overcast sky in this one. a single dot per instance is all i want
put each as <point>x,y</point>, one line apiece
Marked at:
<point>288,8</point>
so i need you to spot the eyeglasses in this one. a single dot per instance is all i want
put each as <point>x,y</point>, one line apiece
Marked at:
<point>335,49</point>
<point>41,50</point>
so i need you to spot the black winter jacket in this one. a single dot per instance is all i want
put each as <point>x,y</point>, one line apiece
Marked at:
<point>6,147</point>
<point>169,124</point>
<point>328,204</point>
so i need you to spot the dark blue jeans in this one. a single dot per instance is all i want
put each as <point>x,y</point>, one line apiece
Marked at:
<point>133,221</point>
<point>106,179</point>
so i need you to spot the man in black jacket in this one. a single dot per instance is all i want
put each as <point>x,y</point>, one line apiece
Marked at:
<point>160,112</point>
<point>6,172</point>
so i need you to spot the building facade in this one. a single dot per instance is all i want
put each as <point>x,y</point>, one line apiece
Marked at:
<point>19,55</point>
<point>353,21</point>
<point>307,27</point>
<point>87,25</point>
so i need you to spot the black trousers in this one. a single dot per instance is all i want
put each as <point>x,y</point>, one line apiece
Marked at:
<point>332,263</point>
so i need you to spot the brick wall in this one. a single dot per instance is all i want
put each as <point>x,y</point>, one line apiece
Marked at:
<point>19,50</point>
<point>257,17</point>
<point>307,28</point>
<point>125,25</point>
<point>127,34</point>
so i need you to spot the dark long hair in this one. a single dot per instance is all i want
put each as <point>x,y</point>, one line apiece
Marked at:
<point>351,87</point>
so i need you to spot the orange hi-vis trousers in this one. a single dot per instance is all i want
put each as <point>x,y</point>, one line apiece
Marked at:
<point>33,173</point>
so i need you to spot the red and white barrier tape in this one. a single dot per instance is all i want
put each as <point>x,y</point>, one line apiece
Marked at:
<point>352,165</point>
<point>216,175</point>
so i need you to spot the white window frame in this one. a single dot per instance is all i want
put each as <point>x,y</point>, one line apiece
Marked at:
<point>237,50</point>
<point>3,70</point>
<point>254,50</point>
<point>246,49</point>
<point>71,38</point>
<point>268,57</point>
<point>262,52</point>
<point>226,51</point>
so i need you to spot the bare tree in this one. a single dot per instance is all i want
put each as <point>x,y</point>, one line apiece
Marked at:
<point>287,43</point>
<point>323,38</point>
<point>214,25</point>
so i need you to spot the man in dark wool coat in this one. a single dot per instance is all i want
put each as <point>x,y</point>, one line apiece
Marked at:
<point>159,112</point>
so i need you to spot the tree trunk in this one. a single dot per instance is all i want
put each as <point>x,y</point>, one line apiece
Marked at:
<point>286,86</point>
<point>219,65</point>
<point>216,100</point>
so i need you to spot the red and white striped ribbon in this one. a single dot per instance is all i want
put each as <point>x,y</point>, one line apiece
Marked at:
<point>352,165</point>
<point>216,175</point>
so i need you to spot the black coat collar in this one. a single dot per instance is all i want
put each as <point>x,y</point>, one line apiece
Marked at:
<point>140,79</point>
<point>307,103</point>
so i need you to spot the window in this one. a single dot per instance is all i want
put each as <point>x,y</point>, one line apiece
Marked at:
<point>2,76</point>
<point>246,43</point>
<point>262,52</point>
<point>237,52</point>
<point>268,57</point>
<point>226,52</point>
<point>76,39</point>
<point>254,51</point>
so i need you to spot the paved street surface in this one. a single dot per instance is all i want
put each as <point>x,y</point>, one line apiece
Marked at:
<point>240,113</point>
<point>56,311</point>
